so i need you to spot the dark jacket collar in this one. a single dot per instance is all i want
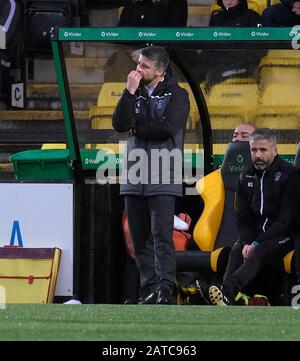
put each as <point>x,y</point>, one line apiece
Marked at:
<point>273,166</point>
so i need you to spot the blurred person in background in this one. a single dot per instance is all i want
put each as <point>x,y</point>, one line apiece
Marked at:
<point>286,13</point>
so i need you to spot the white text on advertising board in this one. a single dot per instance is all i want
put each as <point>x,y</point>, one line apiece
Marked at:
<point>109,33</point>
<point>145,33</point>
<point>221,34</point>
<point>184,34</point>
<point>259,33</point>
<point>72,33</point>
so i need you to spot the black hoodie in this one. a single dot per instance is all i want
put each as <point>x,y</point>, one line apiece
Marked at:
<point>238,16</point>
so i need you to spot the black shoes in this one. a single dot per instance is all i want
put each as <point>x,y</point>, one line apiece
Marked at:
<point>130,301</point>
<point>218,297</point>
<point>165,297</point>
<point>148,300</point>
<point>162,297</point>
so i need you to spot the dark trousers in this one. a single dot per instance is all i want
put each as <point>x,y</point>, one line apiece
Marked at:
<point>151,221</point>
<point>239,273</point>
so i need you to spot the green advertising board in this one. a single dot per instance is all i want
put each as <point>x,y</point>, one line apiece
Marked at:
<point>176,34</point>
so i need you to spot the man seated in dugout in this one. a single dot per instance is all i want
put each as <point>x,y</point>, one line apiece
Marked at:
<point>267,220</point>
<point>242,133</point>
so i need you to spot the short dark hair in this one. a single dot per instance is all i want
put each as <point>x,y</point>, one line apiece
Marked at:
<point>264,133</point>
<point>158,55</point>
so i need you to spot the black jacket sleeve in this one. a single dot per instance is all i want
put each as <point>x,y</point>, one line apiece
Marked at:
<point>172,121</point>
<point>123,117</point>
<point>288,210</point>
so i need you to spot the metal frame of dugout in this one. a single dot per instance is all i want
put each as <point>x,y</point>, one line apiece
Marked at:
<point>172,39</point>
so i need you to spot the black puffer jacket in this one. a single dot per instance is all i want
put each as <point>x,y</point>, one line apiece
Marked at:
<point>156,124</point>
<point>265,208</point>
<point>166,13</point>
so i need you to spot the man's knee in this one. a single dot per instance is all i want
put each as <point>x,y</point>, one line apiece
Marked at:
<point>237,247</point>
<point>262,254</point>
<point>235,259</point>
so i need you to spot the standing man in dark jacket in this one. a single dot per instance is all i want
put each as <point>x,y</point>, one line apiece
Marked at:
<point>266,217</point>
<point>154,109</point>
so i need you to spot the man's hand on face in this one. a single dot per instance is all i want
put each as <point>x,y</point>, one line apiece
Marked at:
<point>133,81</point>
<point>296,8</point>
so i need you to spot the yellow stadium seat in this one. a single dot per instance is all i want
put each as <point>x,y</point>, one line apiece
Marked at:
<point>279,66</point>
<point>211,189</point>
<point>283,54</point>
<point>214,7</point>
<point>281,94</point>
<point>273,2</point>
<point>279,106</point>
<point>276,119</point>
<point>54,146</point>
<point>194,114</point>
<point>100,115</point>
<point>232,102</point>
<point>230,95</point>
<point>239,80</point>
<point>288,261</point>
<point>256,5</point>
<point>281,58</point>
<point>279,74</point>
<point>110,94</point>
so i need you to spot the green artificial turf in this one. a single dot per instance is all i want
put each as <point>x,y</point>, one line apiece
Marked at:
<point>152,322</point>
